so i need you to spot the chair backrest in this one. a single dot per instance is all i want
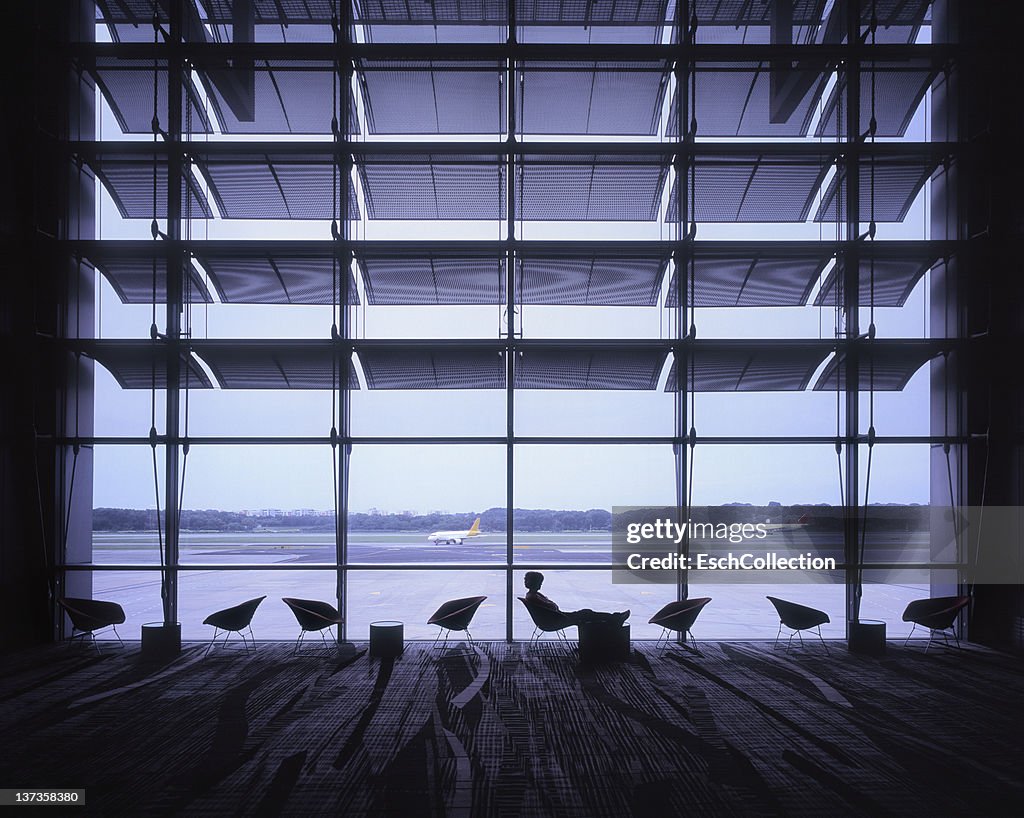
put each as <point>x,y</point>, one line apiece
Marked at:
<point>937,612</point>
<point>798,617</point>
<point>237,618</point>
<point>680,616</point>
<point>312,614</point>
<point>545,618</point>
<point>92,614</point>
<point>456,614</point>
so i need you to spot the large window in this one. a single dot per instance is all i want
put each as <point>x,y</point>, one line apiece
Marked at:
<point>361,287</point>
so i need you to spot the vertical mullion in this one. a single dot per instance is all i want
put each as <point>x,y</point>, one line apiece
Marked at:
<point>343,342</point>
<point>510,294</point>
<point>680,350</point>
<point>175,184</point>
<point>851,311</point>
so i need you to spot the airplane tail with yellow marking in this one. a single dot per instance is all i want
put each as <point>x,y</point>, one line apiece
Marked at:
<point>474,529</point>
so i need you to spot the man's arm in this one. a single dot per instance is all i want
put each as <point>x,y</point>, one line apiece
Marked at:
<point>543,601</point>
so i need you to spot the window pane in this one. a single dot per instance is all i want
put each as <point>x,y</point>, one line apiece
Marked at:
<point>201,593</point>
<point>577,590</point>
<point>137,592</point>
<point>412,597</point>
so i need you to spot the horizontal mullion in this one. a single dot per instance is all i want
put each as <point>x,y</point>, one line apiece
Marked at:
<point>110,248</point>
<point>285,150</point>
<point>289,566</point>
<point>441,566</point>
<point>532,440</point>
<point>89,345</point>
<point>938,54</point>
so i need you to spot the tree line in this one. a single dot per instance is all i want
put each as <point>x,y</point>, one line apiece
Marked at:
<point>491,520</point>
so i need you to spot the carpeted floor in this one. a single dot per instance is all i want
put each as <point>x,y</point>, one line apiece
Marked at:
<point>741,729</point>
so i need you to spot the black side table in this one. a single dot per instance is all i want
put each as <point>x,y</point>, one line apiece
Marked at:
<point>867,637</point>
<point>387,638</point>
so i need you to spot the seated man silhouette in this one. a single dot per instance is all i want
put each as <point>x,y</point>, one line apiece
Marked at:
<point>534,579</point>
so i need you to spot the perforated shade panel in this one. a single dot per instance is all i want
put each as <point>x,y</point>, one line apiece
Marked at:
<point>143,364</point>
<point>413,276</point>
<point>127,86</point>
<point>750,367</point>
<point>604,21</point>
<point>898,20</point>
<point>589,367</point>
<point>736,99</point>
<point>419,366</point>
<point>426,186</point>
<point>132,278</point>
<point>886,366</point>
<point>744,13</point>
<point>131,21</point>
<point>753,188</point>
<point>895,279</point>
<point>897,181</point>
<point>595,187</point>
<point>608,278</point>
<point>276,97</point>
<point>246,274</point>
<point>274,364</point>
<point>128,179</point>
<point>591,98</point>
<point>762,277</point>
<point>439,12</point>
<point>306,21</point>
<point>741,21</point>
<point>424,97</point>
<point>599,21</point>
<point>269,186</point>
<point>899,88</point>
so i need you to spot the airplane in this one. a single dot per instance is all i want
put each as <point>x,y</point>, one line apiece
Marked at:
<point>773,528</point>
<point>455,537</point>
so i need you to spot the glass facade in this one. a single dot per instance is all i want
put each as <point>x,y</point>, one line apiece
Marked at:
<point>368,271</point>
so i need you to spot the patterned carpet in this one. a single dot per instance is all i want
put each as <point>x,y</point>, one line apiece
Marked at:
<point>740,729</point>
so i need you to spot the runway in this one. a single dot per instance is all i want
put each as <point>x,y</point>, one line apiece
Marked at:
<point>410,592</point>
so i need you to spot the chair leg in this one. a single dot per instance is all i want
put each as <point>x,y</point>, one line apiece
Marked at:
<point>252,638</point>
<point>907,641</point>
<point>777,635</point>
<point>298,642</point>
<point>789,644</point>
<point>469,638</point>
<point>119,639</point>
<point>210,646</point>
<point>822,640</point>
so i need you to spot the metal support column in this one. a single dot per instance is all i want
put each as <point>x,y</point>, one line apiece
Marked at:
<point>851,313</point>
<point>510,295</point>
<point>344,331</point>
<point>175,294</point>
<point>681,349</point>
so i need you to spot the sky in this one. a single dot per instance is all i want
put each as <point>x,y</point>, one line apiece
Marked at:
<point>468,478</point>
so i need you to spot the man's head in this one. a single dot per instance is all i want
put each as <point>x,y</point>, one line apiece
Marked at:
<point>533,580</point>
